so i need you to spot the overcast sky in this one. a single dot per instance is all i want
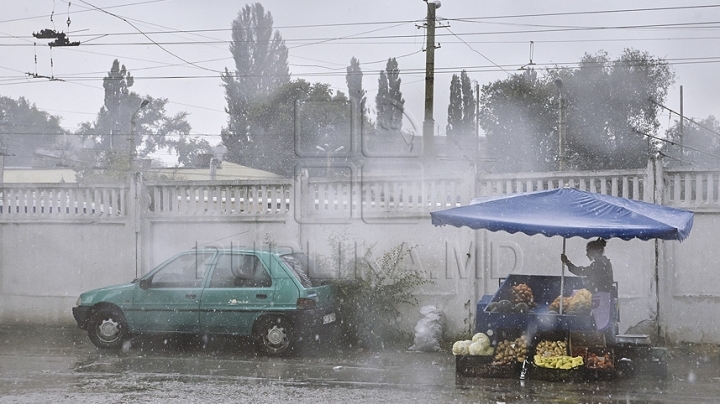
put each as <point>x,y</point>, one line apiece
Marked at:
<point>490,39</point>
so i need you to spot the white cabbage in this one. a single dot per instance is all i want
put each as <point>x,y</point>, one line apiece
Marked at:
<point>475,348</point>
<point>461,347</point>
<point>483,339</point>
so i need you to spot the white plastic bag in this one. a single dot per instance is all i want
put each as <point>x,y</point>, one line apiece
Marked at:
<point>429,330</point>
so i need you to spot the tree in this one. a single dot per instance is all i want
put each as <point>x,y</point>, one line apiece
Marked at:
<point>461,110</point>
<point>519,120</point>
<point>24,129</point>
<point>455,107</point>
<point>353,78</point>
<point>394,93</point>
<point>389,102</point>
<point>261,67</point>
<point>468,104</point>
<point>382,105</point>
<point>153,129</point>
<point>291,122</point>
<point>697,145</point>
<point>607,108</point>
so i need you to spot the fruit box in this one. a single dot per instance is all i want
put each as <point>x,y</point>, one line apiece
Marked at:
<point>556,375</point>
<point>599,364</point>
<point>551,336</point>
<point>580,341</point>
<point>481,366</point>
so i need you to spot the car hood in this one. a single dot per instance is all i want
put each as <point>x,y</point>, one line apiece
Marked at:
<point>114,294</point>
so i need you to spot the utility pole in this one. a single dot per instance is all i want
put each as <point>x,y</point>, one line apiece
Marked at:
<point>429,123</point>
<point>561,126</point>
<point>477,122</point>
<point>682,118</point>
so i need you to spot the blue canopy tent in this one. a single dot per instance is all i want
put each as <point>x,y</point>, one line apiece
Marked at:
<point>569,212</point>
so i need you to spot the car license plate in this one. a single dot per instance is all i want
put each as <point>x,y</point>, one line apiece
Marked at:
<point>328,318</point>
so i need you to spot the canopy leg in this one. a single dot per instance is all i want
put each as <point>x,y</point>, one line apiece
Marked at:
<point>562,279</point>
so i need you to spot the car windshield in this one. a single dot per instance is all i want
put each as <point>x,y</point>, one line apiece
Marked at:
<point>301,266</point>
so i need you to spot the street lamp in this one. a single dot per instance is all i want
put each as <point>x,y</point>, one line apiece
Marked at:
<point>327,151</point>
<point>143,104</point>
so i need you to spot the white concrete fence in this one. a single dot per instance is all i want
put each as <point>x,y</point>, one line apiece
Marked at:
<point>58,240</point>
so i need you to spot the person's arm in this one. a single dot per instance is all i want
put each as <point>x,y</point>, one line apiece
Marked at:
<point>574,269</point>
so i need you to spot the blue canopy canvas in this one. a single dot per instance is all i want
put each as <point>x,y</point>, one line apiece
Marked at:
<point>569,212</point>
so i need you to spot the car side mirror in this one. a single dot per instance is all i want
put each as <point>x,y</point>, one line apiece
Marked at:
<point>145,283</point>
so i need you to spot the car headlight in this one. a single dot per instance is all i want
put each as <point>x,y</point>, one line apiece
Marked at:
<point>79,300</point>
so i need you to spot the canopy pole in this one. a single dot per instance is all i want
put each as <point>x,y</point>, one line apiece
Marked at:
<point>562,280</point>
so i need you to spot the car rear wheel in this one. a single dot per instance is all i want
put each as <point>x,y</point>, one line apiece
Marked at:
<point>274,336</point>
<point>108,328</point>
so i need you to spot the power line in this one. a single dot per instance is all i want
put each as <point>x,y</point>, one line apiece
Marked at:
<point>673,143</point>
<point>146,36</point>
<point>685,118</point>
<point>355,37</point>
<point>572,13</point>
<point>476,51</point>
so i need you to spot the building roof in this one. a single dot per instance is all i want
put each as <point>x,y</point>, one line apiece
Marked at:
<point>227,171</point>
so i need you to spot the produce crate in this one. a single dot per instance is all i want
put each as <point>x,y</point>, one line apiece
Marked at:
<point>599,372</point>
<point>580,341</point>
<point>638,361</point>
<point>556,375</point>
<point>547,336</point>
<point>481,366</point>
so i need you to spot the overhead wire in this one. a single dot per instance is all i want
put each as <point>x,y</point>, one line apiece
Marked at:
<point>673,143</point>
<point>466,43</point>
<point>148,37</point>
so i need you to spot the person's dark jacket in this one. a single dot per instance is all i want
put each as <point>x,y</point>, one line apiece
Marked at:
<point>598,276</point>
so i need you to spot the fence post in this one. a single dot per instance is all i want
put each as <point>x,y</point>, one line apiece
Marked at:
<point>137,196</point>
<point>659,187</point>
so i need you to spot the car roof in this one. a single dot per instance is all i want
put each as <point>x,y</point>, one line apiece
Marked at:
<point>271,251</point>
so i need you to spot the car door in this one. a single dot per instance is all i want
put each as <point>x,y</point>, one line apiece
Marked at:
<point>240,287</point>
<point>171,300</point>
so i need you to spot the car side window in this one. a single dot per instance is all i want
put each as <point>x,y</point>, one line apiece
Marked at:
<point>239,270</point>
<point>185,271</point>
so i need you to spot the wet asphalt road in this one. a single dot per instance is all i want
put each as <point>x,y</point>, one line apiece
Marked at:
<point>59,365</point>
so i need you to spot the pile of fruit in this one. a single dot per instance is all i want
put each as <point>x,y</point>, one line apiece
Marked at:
<point>478,346</point>
<point>551,348</point>
<point>580,302</point>
<point>520,300</point>
<point>558,362</point>
<point>522,294</point>
<point>508,351</point>
<point>599,362</point>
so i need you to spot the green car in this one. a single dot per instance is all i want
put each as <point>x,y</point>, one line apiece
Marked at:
<point>263,294</point>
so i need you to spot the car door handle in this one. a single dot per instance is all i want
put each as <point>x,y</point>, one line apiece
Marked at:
<point>261,296</point>
<point>190,296</point>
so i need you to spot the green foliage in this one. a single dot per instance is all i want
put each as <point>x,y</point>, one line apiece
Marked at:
<point>519,120</point>
<point>261,68</point>
<point>701,141</point>
<point>389,101</point>
<point>455,107</point>
<point>461,110</point>
<point>370,304</point>
<point>152,128</point>
<point>113,167</point>
<point>353,78</point>
<point>607,102</point>
<point>24,129</point>
<point>291,122</point>
<point>468,104</point>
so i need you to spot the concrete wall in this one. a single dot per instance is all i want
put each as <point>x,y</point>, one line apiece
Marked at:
<point>46,260</point>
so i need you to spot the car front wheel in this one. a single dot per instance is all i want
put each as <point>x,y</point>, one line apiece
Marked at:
<point>274,336</point>
<point>108,328</point>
